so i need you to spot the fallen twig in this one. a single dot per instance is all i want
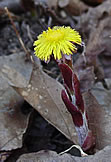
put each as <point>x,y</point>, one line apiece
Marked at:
<point>17,34</point>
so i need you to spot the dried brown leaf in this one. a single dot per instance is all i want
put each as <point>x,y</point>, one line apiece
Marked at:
<point>15,69</point>
<point>99,113</point>
<point>85,74</point>
<point>41,91</point>
<point>93,2</point>
<point>44,94</point>
<point>73,7</point>
<point>13,122</point>
<point>96,29</point>
<point>52,4</point>
<point>50,156</point>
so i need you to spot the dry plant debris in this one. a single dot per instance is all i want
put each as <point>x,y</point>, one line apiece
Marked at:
<point>29,82</point>
<point>13,122</point>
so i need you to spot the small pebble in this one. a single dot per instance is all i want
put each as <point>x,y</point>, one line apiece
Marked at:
<point>29,85</point>
<point>24,93</point>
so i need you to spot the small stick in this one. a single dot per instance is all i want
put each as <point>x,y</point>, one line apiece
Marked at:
<point>78,147</point>
<point>17,33</point>
<point>83,53</point>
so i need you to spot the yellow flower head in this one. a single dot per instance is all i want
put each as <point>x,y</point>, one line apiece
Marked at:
<point>56,41</point>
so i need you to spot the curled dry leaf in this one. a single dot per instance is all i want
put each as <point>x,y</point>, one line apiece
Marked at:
<point>96,27</point>
<point>13,6</point>
<point>52,4</point>
<point>87,78</point>
<point>12,122</point>
<point>49,156</point>
<point>103,97</point>
<point>93,2</point>
<point>91,20</point>
<point>74,7</point>
<point>45,156</point>
<point>99,112</point>
<point>63,3</point>
<point>85,74</point>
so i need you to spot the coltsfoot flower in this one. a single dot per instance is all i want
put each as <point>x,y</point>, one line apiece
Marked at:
<point>57,41</point>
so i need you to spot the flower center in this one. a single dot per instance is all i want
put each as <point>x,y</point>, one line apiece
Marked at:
<point>55,36</point>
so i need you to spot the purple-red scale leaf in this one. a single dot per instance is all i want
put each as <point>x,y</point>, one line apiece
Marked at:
<point>68,92</point>
<point>76,115</point>
<point>67,75</point>
<point>78,96</point>
<point>89,141</point>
